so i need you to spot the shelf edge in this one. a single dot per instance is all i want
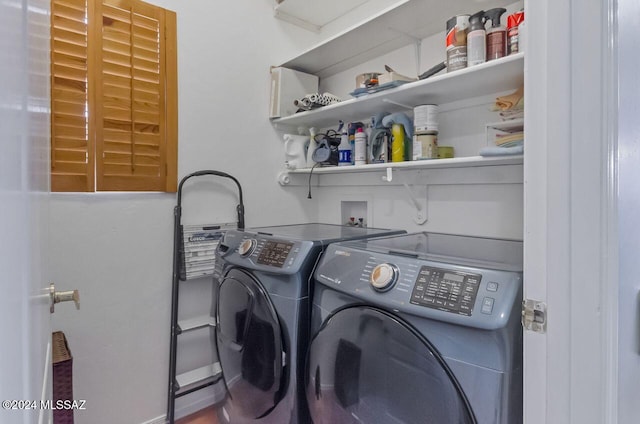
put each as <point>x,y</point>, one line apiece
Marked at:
<point>462,162</point>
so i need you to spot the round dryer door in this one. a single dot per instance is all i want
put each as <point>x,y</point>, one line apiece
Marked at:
<point>249,343</point>
<point>367,366</point>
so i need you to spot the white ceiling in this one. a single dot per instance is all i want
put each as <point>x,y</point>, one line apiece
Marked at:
<point>318,13</point>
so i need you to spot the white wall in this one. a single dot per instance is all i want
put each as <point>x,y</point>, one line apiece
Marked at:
<point>116,248</point>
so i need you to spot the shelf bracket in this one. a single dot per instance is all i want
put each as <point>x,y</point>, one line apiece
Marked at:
<point>284,178</point>
<point>419,204</point>
<point>297,21</point>
<point>418,47</point>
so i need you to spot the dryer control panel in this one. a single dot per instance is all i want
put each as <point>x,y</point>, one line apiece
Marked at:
<point>274,253</point>
<point>264,252</point>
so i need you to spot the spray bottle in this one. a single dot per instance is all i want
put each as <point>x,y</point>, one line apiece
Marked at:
<point>344,150</point>
<point>477,40</point>
<point>496,34</point>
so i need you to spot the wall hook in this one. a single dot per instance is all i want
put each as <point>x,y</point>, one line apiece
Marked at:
<point>389,177</point>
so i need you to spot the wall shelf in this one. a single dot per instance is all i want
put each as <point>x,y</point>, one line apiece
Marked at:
<point>383,32</point>
<point>488,78</point>
<point>461,162</point>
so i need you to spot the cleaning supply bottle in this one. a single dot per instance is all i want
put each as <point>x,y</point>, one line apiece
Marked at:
<point>344,150</point>
<point>397,143</point>
<point>351,131</point>
<point>496,34</point>
<point>513,32</point>
<point>477,40</point>
<point>360,147</point>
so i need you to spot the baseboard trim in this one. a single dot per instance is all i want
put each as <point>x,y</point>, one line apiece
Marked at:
<point>162,419</point>
<point>193,403</point>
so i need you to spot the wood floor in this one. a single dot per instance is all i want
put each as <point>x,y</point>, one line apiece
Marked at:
<point>205,416</point>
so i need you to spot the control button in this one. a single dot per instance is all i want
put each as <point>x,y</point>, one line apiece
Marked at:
<point>492,286</point>
<point>383,277</point>
<point>487,305</point>
<point>247,247</point>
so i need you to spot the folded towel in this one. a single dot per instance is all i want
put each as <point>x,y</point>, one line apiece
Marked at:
<point>511,101</point>
<point>501,151</point>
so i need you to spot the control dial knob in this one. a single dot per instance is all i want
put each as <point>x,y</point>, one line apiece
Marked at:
<point>247,247</point>
<point>383,277</point>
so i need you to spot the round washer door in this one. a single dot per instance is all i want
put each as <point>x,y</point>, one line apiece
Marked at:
<point>249,343</point>
<point>366,365</point>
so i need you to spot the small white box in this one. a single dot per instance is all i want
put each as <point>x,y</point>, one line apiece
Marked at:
<point>388,77</point>
<point>288,85</point>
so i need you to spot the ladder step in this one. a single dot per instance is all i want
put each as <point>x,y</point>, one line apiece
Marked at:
<point>195,323</point>
<point>198,376</point>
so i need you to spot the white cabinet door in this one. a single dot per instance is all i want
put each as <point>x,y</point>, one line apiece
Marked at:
<point>25,368</point>
<point>628,386</point>
<point>569,209</point>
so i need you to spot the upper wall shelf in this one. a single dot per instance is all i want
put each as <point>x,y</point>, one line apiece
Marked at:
<point>488,78</point>
<point>388,30</point>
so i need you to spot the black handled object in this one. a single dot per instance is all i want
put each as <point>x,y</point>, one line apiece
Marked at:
<point>239,208</point>
<point>432,71</point>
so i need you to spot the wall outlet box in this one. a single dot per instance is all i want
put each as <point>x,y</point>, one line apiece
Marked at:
<point>288,85</point>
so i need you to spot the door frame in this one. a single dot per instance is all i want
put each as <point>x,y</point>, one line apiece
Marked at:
<point>570,236</point>
<point>26,370</point>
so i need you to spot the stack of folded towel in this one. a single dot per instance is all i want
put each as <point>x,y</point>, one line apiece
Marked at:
<point>510,107</point>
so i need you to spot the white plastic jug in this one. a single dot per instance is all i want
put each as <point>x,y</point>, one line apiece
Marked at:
<point>295,151</point>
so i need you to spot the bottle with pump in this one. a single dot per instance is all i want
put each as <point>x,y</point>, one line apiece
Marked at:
<point>477,40</point>
<point>360,147</point>
<point>496,34</point>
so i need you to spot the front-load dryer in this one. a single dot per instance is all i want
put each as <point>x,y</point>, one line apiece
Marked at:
<point>417,328</point>
<point>262,317</point>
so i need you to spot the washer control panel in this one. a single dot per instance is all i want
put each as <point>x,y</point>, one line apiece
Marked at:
<point>274,253</point>
<point>446,290</point>
<point>476,296</point>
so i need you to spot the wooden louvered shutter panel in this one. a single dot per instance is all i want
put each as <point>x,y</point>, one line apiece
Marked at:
<point>72,166</point>
<point>132,137</point>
